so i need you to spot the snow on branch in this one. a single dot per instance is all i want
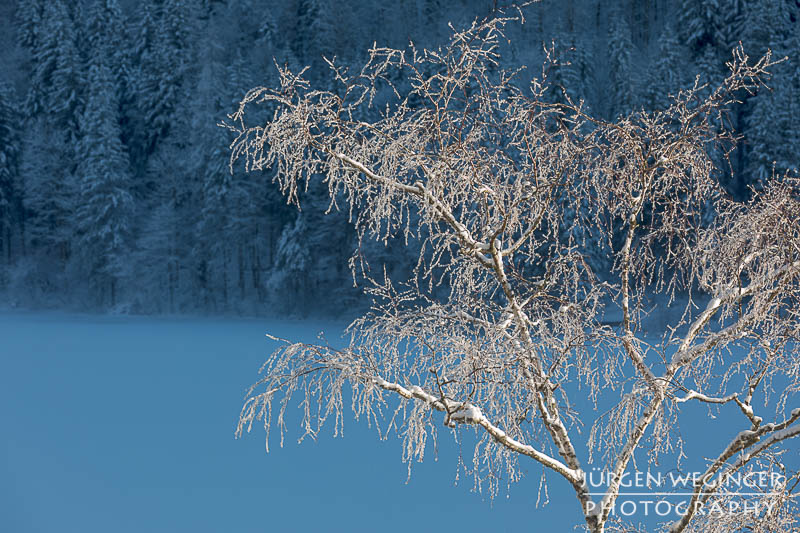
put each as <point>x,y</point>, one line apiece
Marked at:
<point>531,223</point>
<point>694,395</point>
<point>471,414</point>
<point>704,490</point>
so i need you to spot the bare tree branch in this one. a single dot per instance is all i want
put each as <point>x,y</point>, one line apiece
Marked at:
<point>537,223</point>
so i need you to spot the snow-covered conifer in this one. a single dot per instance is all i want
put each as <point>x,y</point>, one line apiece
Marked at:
<point>772,143</point>
<point>104,217</point>
<point>315,32</point>
<point>58,80</point>
<point>49,199</point>
<point>165,54</point>
<point>28,17</point>
<point>714,23</point>
<point>622,95</point>
<point>10,197</point>
<point>666,77</point>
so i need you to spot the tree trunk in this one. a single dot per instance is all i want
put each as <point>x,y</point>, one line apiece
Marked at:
<point>240,253</point>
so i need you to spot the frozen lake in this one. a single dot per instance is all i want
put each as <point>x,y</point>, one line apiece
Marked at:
<point>125,424</point>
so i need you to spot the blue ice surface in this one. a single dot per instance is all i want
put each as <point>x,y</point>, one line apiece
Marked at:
<point>126,424</point>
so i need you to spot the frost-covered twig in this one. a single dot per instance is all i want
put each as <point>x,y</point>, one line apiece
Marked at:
<point>707,485</point>
<point>472,414</point>
<point>539,219</point>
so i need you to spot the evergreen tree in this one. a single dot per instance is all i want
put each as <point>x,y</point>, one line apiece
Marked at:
<point>57,79</point>
<point>290,281</point>
<point>9,169</point>
<point>29,19</point>
<point>716,23</point>
<point>773,141</point>
<point>268,33</point>
<point>665,77</point>
<point>160,251</point>
<point>579,76</point>
<point>165,57</point>
<point>769,24</point>
<point>49,194</point>
<point>136,131</point>
<point>696,20</point>
<point>107,32</point>
<point>315,34</point>
<point>104,218</point>
<point>729,25</point>
<point>232,218</point>
<point>306,258</point>
<point>764,121</point>
<point>791,144</point>
<point>711,29</point>
<point>271,46</point>
<point>105,27</point>
<point>48,157</point>
<point>622,94</point>
<point>571,74</point>
<point>215,242</point>
<point>202,231</point>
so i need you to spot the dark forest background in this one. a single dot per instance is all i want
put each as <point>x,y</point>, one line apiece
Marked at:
<point>115,191</point>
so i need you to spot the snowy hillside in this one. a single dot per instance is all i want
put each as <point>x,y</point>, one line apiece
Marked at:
<point>115,191</point>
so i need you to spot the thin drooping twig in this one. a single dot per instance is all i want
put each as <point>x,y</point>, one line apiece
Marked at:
<point>513,197</point>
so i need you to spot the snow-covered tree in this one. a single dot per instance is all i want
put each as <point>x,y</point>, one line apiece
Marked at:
<point>143,67</point>
<point>104,217</point>
<point>311,258</point>
<point>29,18</point>
<point>766,23</point>
<point>315,33</point>
<point>229,209</point>
<point>48,161</point>
<point>49,201</point>
<point>165,52</point>
<point>772,143</point>
<point>549,365</point>
<point>291,277</point>
<point>10,197</point>
<point>106,28</point>
<point>623,93</point>
<point>162,247</point>
<point>162,51</point>
<point>57,80</point>
<point>715,23</point>
<point>571,73</point>
<point>666,76</point>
